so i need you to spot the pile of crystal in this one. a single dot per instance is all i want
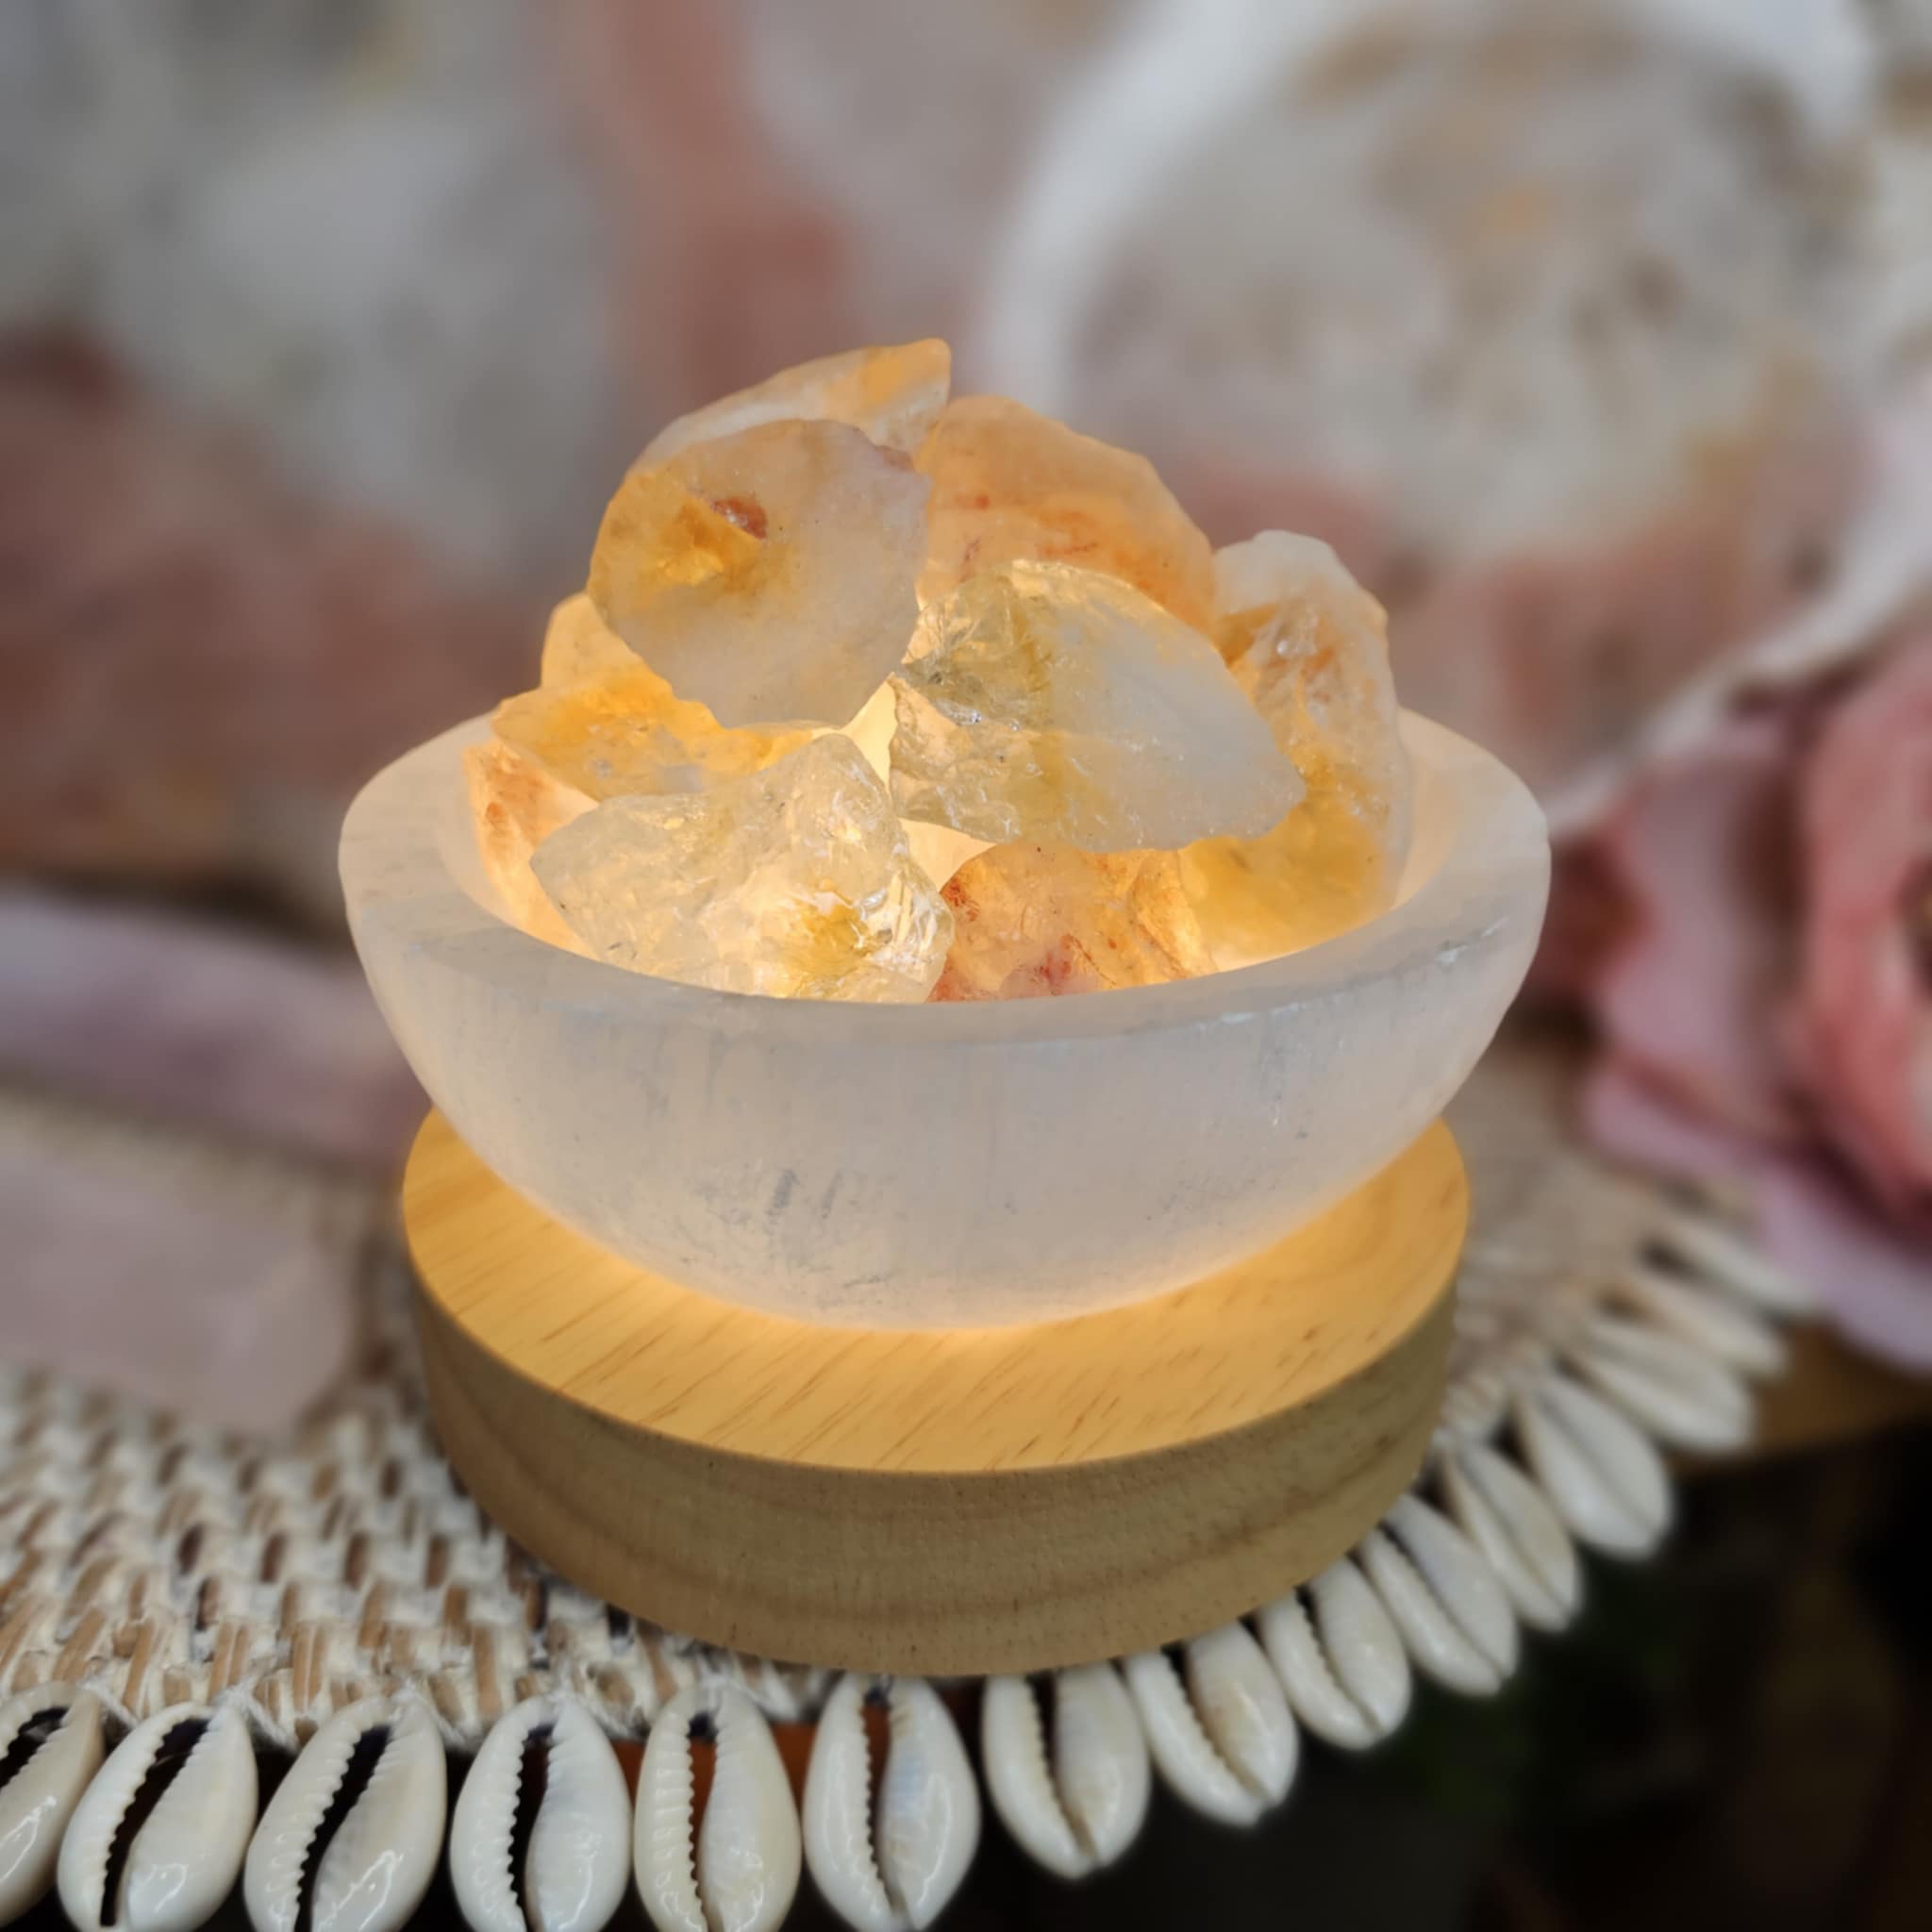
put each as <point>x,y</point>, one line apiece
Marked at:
<point>877,694</point>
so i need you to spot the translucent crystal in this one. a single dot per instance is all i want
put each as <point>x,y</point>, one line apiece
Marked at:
<point>937,850</point>
<point>516,806</point>
<point>626,731</point>
<point>1309,646</point>
<point>769,574</point>
<point>1009,484</point>
<point>1040,701</point>
<point>579,646</point>
<point>872,730</point>
<point>796,881</point>
<point>893,395</point>
<point>1032,921</point>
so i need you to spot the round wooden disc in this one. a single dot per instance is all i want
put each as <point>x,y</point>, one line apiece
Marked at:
<point>955,1500</point>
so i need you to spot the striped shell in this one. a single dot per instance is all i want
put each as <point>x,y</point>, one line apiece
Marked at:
<point>1445,1599</point>
<point>353,1833</point>
<point>1510,1521</point>
<point>50,1749</point>
<point>734,1868</point>
<point>1218,1727</point>
<point>892,1866</point>
<point>185,1780</point>
<point>1076,1804</point>
<point>547,1782</point>
<point>1339,1657</point>
<point>1600,1471</point>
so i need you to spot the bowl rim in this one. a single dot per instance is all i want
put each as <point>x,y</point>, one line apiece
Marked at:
<point>395,874</point>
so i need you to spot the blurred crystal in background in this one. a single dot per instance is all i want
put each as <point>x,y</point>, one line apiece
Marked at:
<point>1594,336</point>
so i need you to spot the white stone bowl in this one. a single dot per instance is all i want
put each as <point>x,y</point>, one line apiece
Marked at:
<point>954,1165</point>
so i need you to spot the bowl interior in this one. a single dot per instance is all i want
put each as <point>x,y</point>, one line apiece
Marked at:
<point>1441,815</point>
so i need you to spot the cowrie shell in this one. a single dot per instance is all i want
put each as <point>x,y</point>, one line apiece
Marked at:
<point>191,1769</point>
<point>576,1853</point>
<point>735,1868</point>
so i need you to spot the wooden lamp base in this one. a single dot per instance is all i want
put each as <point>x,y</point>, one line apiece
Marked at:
<point>940,1502</point>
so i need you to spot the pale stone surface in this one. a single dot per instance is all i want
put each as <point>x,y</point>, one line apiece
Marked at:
<point>894,393</point>
<point>1008,484</point>
<point>579,647</point>
<point>516,805</point>
<point>1309,646</point>
<point>1030,921</point>
<point>794,881</point>
<point>1040,702</point>
<point>768,575</point>
<point>626,731</point>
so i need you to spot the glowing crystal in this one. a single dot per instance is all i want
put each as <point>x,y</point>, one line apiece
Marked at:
<point>578,646</point>
<point>893,395</point>
<point>796,881</point>
<point>769,574</point>
<point>938,850</point>
<point>626,731</point>
<point>1007,484</point>
<point>517,806</point>
<point>872,730</point>
<point>1032,921</point>
<point>1309,646</point>
<point>1045,703</point>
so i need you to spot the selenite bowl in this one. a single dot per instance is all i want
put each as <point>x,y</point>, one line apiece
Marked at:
<point>953,1165</point>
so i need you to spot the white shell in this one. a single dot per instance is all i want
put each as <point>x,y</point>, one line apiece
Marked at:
<point>1511,1521</point>
<point>1443,1597</point>
<point>928,1808</point>
<point>1731,1260</point>
<point>185,1858</point>
<point>1080,1808</point>
<point>1603,1474</point>
<point>577,1862</point>
<point>382,1856</point>
<point>1339,1657</point>
<point>746,1871</point>
<point>38,1799</point>
<point>1723,1328</point>
<point>1219,1727</point>
<point>1665,1385</point>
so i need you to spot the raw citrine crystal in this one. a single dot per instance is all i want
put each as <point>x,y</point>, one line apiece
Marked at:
<point>627,732</point>
<point>1008,484</point>
<point>578,646</point>
<point>1044,703</point>
<point>794,880</point>
<point>516,806</point>
<point>939,850</point>
<point>1309,646</point>
<point>872,730</point>
<point>1030,920</point>
<point>767,574</point>
<point>893,395</point>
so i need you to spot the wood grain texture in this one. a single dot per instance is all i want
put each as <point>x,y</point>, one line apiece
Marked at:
<point>964,1501</point>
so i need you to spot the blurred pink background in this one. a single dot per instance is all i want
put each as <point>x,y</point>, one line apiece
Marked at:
<point>1596,338</point>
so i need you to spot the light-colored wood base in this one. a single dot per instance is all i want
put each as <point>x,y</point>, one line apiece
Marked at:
<point>967,1500</point>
